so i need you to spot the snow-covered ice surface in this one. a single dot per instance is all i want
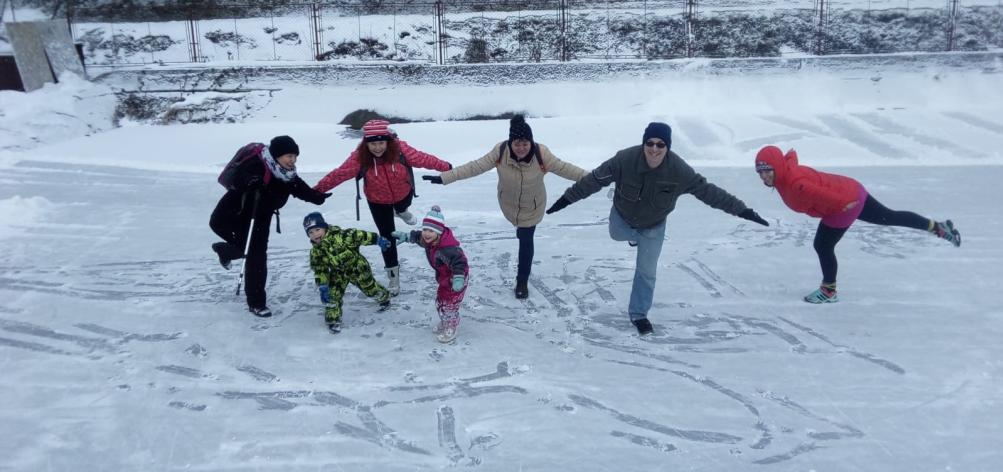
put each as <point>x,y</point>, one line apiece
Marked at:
<point>123,346</point>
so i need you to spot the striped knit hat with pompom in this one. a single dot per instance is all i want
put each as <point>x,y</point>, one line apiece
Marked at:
<point>434,220</point>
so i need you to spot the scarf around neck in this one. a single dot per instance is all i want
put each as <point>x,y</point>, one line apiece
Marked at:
<point>283,174</point>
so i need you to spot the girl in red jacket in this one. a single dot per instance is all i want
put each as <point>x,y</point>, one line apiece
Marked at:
<point>384,161</point>
<point>838,201</point>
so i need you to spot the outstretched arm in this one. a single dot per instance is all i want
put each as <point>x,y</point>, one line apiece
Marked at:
<point>424,160</point>
<point>712,195</point>
<point>347,170</point>
<point>564,169</point>
<point>406,236</point>
<point>302,191</point>
<point>607,173</point>
<point>472,169</point>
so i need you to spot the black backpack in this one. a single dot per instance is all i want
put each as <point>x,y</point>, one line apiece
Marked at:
<point>362,173</point>
<point>228,173</point>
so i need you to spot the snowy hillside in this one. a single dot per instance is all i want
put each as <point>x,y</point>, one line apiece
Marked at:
<point>117,34</point>
<point>125,348</point>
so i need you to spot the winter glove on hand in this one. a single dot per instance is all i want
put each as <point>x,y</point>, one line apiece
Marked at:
<point>435,179</point>
<point>401,236</point>
<point>458,283</point>
<point>751,215</point>
<point>558,205</point>
<point>318,197</point>
<point>383,243</point>
<point>325,294</point>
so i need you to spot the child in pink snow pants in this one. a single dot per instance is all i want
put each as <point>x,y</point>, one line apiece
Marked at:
<point>450,265</point>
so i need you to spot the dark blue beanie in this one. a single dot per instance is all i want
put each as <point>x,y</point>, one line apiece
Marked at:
<point>314,220</point>
<point>658,130</point>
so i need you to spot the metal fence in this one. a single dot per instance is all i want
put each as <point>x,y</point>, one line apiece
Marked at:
<point>444,32</point>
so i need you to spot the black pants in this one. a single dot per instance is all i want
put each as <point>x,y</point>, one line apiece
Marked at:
<point>526,250</point>
<point>873,212</point>
<point>383,216</point>
<point>231,220</point>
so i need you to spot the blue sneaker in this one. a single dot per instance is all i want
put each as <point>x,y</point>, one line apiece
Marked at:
<point>822,295</point>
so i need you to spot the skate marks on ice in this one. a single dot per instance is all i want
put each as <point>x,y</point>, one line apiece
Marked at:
<point>644,441</point>
<point>727,333</point>
<point>369,428</point>
<point>764,423</point>
<point>707,278</point>
<point>711,336</point>
<point>93,347</point>
<point>848,350</point>
<point>691,435</point>
<point>446,428</point>
<point>458,389</point>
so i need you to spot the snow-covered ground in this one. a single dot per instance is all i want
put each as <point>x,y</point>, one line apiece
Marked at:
<point>124,347</point>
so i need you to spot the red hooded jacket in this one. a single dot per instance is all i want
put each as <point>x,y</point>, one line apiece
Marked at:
<point>806,190</point>
<point>387,180</point>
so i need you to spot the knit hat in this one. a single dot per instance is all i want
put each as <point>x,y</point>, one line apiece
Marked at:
<point>769,158</point>
<point>519,129</point>
<point>658,130</point>
<point>434,221</point>
<point>282,145</point>
<point>314,220</point>
<point>376,130</point>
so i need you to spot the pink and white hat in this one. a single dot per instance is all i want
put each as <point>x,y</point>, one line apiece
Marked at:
<point>376,130</point>
<point>434,220</point>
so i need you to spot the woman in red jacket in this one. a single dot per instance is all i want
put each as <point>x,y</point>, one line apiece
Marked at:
<point>838,201</point>
<point>384,161</point>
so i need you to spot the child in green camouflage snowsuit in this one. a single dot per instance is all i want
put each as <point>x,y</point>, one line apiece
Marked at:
<point>336,262</point>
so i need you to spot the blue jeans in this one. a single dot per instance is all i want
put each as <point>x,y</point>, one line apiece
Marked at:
<point>649,247</point>
<point>525,236</point>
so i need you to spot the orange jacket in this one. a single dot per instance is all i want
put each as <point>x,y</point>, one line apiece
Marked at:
<point>806,190</point>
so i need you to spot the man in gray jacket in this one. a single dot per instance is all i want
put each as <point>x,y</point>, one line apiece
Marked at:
<point>649,179</point>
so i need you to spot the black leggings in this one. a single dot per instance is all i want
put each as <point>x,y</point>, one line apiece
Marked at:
<point>525,236</point>
<point>383,216</point>
<point>873,212</point>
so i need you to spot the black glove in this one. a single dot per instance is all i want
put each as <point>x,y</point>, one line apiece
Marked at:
<point>317,198</point>
<point>558,205</point>
<point>751,215</point>
<point>435,179</point>
<point>254,182</point>
<point>450,166</point>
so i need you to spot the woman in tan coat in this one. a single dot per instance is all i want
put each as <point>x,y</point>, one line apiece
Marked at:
<point>521,164</point>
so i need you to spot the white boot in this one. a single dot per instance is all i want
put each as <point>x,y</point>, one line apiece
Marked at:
<point>407,217</point>
<point>394,285</point>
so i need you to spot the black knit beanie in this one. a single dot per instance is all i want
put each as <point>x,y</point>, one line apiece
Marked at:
<point>519,129</point>
<point>282,145</point>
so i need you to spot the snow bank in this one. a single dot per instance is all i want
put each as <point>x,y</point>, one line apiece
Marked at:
<point>19,212</point>
<point>74,107</point>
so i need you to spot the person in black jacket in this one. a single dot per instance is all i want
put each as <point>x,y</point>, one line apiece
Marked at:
<point>649,179</point>
<point>263,182</point>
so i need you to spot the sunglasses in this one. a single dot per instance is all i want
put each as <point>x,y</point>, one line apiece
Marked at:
<point>658,145</point>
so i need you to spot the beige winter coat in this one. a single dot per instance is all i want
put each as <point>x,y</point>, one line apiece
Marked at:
<point>521,193</point>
